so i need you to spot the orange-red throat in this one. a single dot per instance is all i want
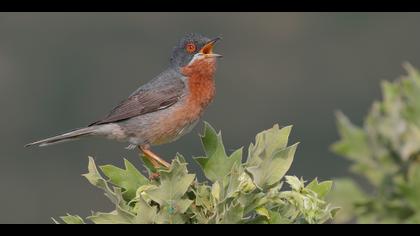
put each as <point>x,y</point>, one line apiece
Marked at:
<point>200,73</point>
<point>201,85</point>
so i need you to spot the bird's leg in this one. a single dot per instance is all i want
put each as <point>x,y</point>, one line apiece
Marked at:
<point>156,161</point>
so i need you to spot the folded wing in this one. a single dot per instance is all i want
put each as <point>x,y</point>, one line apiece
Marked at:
<point>158,95</point>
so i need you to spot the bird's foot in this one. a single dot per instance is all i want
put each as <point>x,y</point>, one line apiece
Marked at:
<point>156,161</point>
<point>154,176</point>
<point>131,147</point>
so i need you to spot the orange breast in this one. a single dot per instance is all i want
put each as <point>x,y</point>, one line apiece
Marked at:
<point>201,84</point>
<point>201,90</point>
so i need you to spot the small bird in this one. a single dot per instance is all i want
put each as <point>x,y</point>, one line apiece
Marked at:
<point>165,108</point>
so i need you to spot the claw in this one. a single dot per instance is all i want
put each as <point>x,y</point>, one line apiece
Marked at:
<point>131,147</point>
<point>154,176</point>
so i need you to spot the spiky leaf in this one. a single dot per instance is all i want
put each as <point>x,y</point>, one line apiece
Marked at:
<point>216,164</point>
<point>72,219</point>
<point>130,179</point>
<point>174,183</point>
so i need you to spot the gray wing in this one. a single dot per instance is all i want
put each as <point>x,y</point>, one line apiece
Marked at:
<point>159,94</point>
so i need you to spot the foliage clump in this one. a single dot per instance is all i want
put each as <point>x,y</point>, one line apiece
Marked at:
<point>235,192</point>
<point>385,152</point>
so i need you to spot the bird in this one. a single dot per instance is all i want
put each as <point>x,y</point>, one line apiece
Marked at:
<point>163,109</point>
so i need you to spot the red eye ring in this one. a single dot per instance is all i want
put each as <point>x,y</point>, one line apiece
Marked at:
<point>190,47</point>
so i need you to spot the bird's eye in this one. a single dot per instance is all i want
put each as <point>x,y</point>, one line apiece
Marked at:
<point>190,47</point>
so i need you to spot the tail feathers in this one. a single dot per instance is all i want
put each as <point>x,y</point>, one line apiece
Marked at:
<point>70,136</point>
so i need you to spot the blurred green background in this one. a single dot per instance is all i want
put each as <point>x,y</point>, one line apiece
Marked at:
<point>60,71</point>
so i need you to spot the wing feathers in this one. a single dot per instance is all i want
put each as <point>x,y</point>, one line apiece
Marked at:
<point>150,99</point>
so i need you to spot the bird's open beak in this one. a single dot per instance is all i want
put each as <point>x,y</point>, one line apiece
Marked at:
<point>207,49</point>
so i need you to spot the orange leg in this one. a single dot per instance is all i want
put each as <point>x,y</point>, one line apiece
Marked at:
<point>156,161</point>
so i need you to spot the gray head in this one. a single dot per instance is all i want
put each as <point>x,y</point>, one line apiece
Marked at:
<point>192,46</point>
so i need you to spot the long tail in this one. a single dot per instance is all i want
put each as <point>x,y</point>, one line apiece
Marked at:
<point>70,136</point>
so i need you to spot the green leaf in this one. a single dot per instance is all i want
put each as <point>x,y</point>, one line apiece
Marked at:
<point>262,211</point>
<point>266,143</point>
<point>203,197</point>
<point>273,167</point>
<point>93,175</point>
<point>346,194</point>
<point>174,184</point>
<point>115,217</point>
<point>145,214</point>
<point>295,183</point>
<point>411,188</point>
<point>129,179</point>
<point>270,158</point>
<point>216,164</point>
<point>97,180</point>
<point>321,189</point>
<point>121,215</point>
<point>239,182</point>
<point>353,143</point>
<point>215,191</point>
<point>270,217</point>
<point>233,214</point>
<point>277,218</point>
<point>72,219</point>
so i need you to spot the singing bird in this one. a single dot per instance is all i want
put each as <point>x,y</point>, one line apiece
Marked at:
<point>165,108</point>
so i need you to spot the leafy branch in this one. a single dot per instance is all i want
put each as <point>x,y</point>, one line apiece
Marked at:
<point>386,153</point>
<point>236,192</point>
